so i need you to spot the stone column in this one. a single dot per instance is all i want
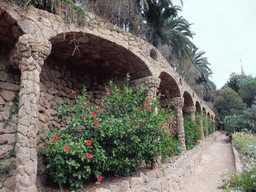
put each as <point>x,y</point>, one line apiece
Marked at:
<point>29,55</point>
<point>201,124</point>
<point>150,83</point>
<point>177,103</point>
<point>179,119</point>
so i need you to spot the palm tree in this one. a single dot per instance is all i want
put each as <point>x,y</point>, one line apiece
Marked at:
<point>203,72</point>
<point>177,32</point>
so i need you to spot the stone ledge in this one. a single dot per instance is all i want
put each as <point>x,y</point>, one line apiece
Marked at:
<point>238,162</point>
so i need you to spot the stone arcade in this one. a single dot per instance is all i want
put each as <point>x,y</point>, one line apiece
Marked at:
<point>54,58</point>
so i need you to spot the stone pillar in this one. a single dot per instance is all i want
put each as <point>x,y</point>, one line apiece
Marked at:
<point>150,83</point>
<point>29,55</point>
<point>177,103</point>
<point>179,119</point>
<point>201,124</point>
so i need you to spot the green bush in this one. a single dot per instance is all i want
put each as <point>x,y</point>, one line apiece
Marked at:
<point>229,103</point>
<point>245,181</point>
<point>193,133</point>
<point>247,90</point>
<point>121,133</point>
<point>244,122</point>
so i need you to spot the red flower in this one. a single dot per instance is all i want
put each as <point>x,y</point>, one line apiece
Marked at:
<point>163,110</point>
<point>200,129</point>
<point>168,121</point>
<point>148,98</point>
<point>96,123</point>
<point>169,148</point>
<point>193,125</point>
<point>198,140</point>
<point>104,111</point>
<point>93,114</point>
<point>100,124</point>
<point>145,105</point>
<point>85,104</point>
<point>170,118</point>
<point>65,148</point>
<point>186,116</point>
<point>73,92</point>
<point>99,178</point>
<point>174,132</point>
<point>162,125</point>
<point>55,138</point>
<point>111,122</point>
<point>201,135</point>
<point>89,142</point>
<point>150,109</point>
<point>157,90</point>
<point>98,107</point>
<point>108,93</point>
<point>138,109</point>
<point>138,124</point>
<point>163,95</point>
<point>88,156</point>
<point>172,149</point>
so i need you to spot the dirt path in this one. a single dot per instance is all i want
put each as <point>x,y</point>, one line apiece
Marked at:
<point>218,160</point>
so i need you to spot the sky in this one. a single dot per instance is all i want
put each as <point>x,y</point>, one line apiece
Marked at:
<point>226,31</point>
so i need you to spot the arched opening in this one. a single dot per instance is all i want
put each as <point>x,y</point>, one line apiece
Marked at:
<point>169,89</point>
<point>188,103</point>
<point>198,107</point>
<point>81,60</point>
<point>168,86</point>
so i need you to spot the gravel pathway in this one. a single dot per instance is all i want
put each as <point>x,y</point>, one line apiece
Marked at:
<point>216,161</point>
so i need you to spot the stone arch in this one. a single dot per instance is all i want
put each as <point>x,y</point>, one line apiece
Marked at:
<point>188,101</point>
<point>9,31</point>
<point>204,111</point>
<point>98,54</point>
<point>168,86</point>
<point>198,107</point>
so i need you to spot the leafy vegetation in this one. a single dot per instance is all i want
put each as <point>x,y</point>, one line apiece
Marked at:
<point>245,181</point>
<point>112,138</point>
<point>247,90</point>
<point>193,132</point>
<point>245,122</point>
<point>228,103</point>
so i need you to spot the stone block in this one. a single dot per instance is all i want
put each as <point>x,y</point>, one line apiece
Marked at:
<point>7,95</point>
<point>102,190</point>
<point>4,189</point>
<point>3,76</point>
<point>152,173</point>
<point>43,118</point>
<point>135,181</point>
<point>4,150</point>
<point>10,183</point>
<point>7,139</point>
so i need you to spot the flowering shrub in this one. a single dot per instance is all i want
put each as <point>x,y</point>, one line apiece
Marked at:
<point>112,138</point>
<point>193,133</point>
<point>245,181</point>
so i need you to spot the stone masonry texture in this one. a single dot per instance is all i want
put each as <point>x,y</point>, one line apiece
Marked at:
<point>52,58</point>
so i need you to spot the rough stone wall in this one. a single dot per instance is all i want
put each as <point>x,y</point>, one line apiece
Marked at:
<point>9,86</point>
<point>93,47</point>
